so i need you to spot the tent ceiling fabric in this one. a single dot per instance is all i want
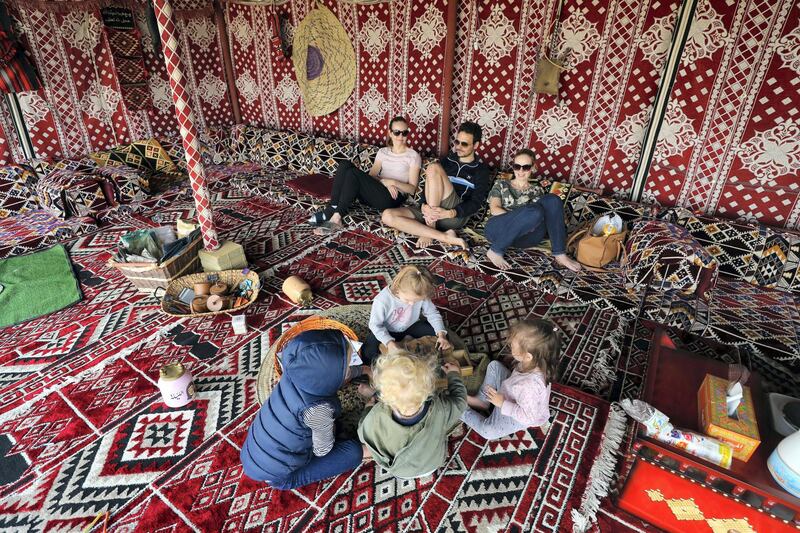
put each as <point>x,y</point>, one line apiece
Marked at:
<point>324,62</point>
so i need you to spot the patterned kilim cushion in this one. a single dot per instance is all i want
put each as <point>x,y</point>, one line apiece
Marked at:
<point>665,256</point>
<point>36,229</point>
<point>43,167</point>
<point>17,194</point>
<point>576,214</point>
<point>147,154</point>
<point>85,198</point>
<point>328,153</point>
<point>596,206</point>
<point>266,147</point>
<point>778,262</point>
<point>174,147</point>
<point>104,160</point>
<point>237,143</point>
<point>764,322</point>
<point>558,188</point>
<point>215,145</point>
<point>162,181</point>
<point>244,139</point>
<point>317,185</point>
<point>53,193</point>
<point>299,149</point>
<point>125,182</point>
<point>365,156</point>
<point>735,245</point>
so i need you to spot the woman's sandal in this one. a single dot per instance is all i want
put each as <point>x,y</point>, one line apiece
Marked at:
<point>320,217</point>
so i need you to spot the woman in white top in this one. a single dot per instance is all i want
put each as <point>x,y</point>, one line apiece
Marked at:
<point>393,176</point>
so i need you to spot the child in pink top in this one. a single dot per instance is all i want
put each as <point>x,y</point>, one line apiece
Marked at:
<point>520,398</point>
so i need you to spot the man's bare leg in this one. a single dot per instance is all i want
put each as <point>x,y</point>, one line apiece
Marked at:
<point>437,188</point>
<point>437,185</point>
<point>402,219</point>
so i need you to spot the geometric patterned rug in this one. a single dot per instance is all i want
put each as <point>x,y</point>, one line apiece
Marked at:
<point>526,482</point>
<point>83,428</point>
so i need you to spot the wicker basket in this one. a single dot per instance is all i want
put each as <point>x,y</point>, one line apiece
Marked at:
<point>150,276</point>
<point>228,277</point>
<point>310,323</point>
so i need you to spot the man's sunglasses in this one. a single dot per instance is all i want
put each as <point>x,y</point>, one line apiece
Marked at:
<point>404,133</point>
<point>516,166</point>
<point>461,143</point>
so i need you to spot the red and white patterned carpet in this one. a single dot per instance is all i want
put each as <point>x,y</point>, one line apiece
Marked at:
<point>84,430</point>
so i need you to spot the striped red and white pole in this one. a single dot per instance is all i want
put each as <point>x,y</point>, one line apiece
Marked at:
<point>183,112</point>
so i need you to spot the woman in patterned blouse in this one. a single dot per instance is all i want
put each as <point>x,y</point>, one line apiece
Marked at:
<point>523,215</point>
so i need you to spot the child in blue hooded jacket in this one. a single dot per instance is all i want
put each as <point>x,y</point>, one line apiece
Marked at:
<point>292,440</point>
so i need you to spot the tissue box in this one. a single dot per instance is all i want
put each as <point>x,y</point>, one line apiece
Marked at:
<point>740,432</point>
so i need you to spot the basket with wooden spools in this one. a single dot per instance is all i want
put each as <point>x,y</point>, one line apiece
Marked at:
<point>232,290</point>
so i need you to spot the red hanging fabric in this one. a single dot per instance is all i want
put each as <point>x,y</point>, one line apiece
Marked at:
<point>16,70</point>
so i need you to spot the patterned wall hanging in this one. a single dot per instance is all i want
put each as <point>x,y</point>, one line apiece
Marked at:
<point>324,62</point>
<point>732,142</point>
<point>656,122</point>
<point>728,144</point>
<point>126,48</point>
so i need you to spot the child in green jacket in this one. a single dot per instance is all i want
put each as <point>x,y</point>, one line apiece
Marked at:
<point>406,431</point>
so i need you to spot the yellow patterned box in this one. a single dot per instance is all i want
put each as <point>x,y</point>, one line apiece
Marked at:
<point>740,432</point>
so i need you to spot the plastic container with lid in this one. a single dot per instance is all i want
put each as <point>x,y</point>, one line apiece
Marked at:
<point>175,383</point>
<point>784,464</point>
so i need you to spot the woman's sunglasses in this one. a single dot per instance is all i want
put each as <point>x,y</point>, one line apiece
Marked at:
<point>404,133</point>
<point>516,166</point>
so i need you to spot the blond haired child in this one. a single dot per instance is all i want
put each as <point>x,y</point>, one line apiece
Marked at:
<point>406,431</point>
<point>521,397</point>
<point>396,313</point>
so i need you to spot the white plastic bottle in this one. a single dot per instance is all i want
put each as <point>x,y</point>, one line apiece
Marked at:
<point>784,464</point>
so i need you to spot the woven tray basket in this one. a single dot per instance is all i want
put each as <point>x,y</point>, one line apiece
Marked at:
<point>270,371</point>
<point>353,321</point>
<point>228,277</point>
<point>310,323</point>
<point>150,276</point>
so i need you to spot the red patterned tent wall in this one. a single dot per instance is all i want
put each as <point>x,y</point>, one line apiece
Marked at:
<point>734,147</point>
<point>185,117</point>
<point>729,145</point>
<point>400,58</point>
<point>80,110</point>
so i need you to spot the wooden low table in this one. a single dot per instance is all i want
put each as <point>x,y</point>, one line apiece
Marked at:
<point>671,488</point>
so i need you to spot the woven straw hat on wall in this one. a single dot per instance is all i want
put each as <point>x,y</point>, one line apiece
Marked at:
<point>324,62</point>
